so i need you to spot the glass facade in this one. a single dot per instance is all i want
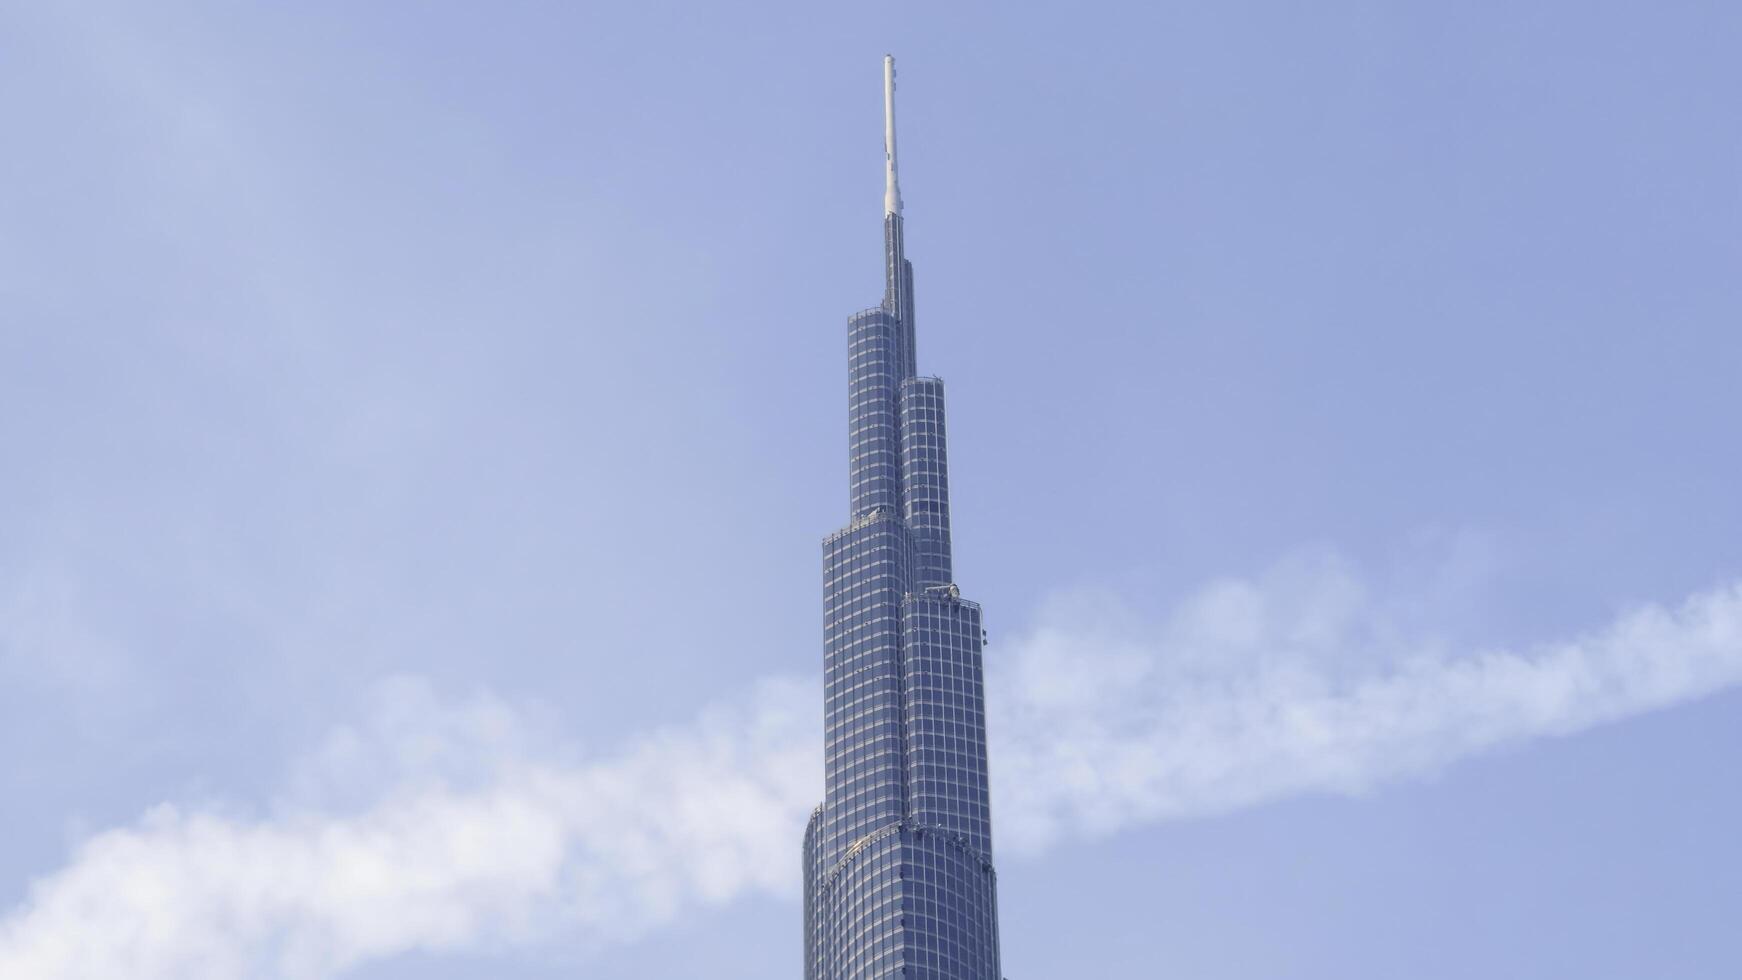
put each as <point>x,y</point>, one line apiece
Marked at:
<point>898,858</point>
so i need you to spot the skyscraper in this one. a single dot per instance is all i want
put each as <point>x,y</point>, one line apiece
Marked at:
<point>898,858</point>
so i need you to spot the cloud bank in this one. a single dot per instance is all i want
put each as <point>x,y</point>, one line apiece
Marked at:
<point>443,825</point>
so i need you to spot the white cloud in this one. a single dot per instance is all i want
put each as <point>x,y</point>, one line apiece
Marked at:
<point>441,826</point>
<point>1258,690</point>
<point>461,846</point>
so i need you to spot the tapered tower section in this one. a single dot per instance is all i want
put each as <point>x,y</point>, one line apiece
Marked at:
<point>898,858</point>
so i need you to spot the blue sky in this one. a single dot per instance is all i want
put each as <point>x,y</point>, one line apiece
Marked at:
<point>417,423</point>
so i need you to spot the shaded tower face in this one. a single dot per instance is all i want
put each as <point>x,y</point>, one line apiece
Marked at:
<point>898,858</point>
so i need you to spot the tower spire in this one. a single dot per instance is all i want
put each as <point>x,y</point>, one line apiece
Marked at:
<point>891,190</point>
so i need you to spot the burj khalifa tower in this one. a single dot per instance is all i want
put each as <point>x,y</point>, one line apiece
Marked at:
<point>898,858</point>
